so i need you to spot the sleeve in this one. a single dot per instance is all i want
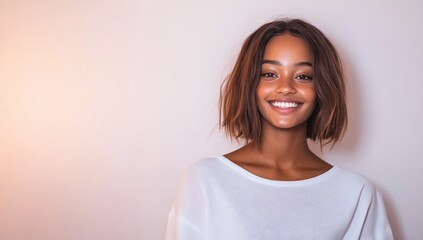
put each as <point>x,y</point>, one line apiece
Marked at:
<point>369,221</point>
<point>376,225</point>
<point>188,211</point>
<point>180,229</point>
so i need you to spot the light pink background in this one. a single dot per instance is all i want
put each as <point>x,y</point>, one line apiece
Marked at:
<point>104,103</point>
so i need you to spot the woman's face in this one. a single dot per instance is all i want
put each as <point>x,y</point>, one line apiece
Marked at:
<point>285,93</point>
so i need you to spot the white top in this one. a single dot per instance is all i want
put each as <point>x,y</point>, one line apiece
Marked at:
<point>219,200</point>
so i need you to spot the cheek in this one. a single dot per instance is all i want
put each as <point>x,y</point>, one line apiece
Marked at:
<point>263,90</point>
<point>312,98</point>
<point>261,93</point>
<point>310,93</point>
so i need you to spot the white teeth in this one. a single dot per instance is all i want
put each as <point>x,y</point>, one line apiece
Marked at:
<point>285,104</point>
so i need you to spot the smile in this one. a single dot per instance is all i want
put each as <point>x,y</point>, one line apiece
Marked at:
<point>285,104</point>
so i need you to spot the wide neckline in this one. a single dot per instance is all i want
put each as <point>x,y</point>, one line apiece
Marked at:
<point>263,180</point>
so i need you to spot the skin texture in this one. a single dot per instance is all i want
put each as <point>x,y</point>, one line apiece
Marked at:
<point>286,76</point>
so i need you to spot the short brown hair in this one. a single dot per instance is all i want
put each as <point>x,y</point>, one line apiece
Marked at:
<point>239,114</point>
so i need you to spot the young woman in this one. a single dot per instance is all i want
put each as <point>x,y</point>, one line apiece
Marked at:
<point>287,85</point>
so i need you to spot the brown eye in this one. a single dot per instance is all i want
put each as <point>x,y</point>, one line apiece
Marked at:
<point>268,75</point>
<point>304,77</point>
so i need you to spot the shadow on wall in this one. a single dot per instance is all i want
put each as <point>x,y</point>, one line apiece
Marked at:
<point>392,215</point>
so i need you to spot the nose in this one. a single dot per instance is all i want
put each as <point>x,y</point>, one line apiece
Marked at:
<point>285,87</point>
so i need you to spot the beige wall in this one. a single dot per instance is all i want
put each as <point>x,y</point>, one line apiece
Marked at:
<point>103,103</point>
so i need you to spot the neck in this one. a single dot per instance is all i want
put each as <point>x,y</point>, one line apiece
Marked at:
<point>284,148</point>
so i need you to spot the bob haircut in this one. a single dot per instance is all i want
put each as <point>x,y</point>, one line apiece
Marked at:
<point>239,114</point>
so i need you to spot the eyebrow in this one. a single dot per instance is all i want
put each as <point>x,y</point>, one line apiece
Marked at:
<point>274,62</point>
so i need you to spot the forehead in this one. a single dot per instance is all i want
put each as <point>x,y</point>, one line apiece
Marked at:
<point>287,46</point>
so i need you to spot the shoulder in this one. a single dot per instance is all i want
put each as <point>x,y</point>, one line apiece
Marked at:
<point>196,180</point>
<point>201,171</point>
<point>370,219</point>
<point>203,166</point>
<point>352,176</point>
<point>208,162</point>
<point>354,181</point>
